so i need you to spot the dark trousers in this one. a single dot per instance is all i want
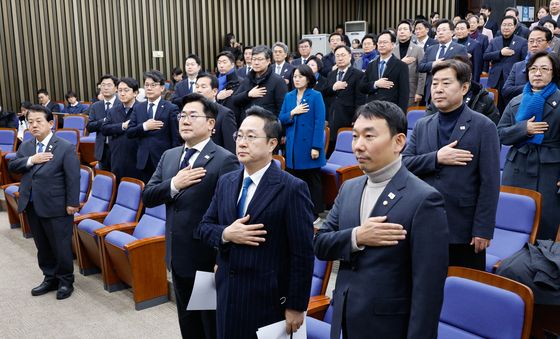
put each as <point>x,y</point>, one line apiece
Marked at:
<point>463,255</point>
<point>105,162</point>
<point>194,324</point>
<point>53,239</point>
<point>312,178</point>
<point>147,172</point>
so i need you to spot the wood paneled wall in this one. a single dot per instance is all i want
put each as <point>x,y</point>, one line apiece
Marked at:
<point>69,44</point>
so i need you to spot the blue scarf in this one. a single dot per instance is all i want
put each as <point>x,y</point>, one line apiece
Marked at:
<point>532,104</point>
<point>222,79</point>
<point>368,57</point>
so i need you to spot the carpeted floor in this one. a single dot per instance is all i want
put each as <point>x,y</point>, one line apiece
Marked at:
<point>90,312</point>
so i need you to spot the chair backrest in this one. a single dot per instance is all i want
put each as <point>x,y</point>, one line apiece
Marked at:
<point>128,206</point>
<point>8,137</point>
<point>479,304</point>
<point>484,81</point>
<point>342,154</point>
<point>493,93</point>
<point>61,106</point>
<point>412,117</point>
<point>102,193</point>
<point>517,221</point>
<point>27,135</point>
<point>321,274</point>
<point>279,161</point>
<point>86,178</point>
<point>503,154</point>
<point>71,135</point>
<point>75,121</point>
<point>151,224</point>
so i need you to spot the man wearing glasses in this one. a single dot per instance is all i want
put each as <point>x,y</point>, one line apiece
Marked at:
<point>154,123</point>
<point>261,222</point>
<point>185,180</point>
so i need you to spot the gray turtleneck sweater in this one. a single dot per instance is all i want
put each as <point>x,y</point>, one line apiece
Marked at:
<point>376,183</point>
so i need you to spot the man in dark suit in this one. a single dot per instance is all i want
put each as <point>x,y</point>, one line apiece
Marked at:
<point>97,114</point>
<point>228,82</point>
<point>262,87</point>
<point>504,51</point>
<point>422,39</point>
<point>123,150</point>
<point>539,40</point>
<point>186,86</point>
<point>554,10</point>
<point>154,124</point>
<point>491,24</point>
<point>435,54</point>
<point>49,195</point>
<point>474,49</point>
<point>247,57</point>
<point>520,29</point>
<point>304,50</point>
<point>329,60</point>
<point>281,66</point>
<point>260,221</point>
<point>454,143</point>
<point>45,100</point>
<point>185,180</point>
<point>225,127</point>
<point>387,77</point>
<point>343,92</point>
<point>389,231</point>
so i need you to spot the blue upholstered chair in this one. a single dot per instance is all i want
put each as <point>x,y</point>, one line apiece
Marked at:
<point>127,208</point>
<point>279,161</point>
<point>87,148</point>
<point>86,179</point>
<point>341,166</point>
<point>8,138</point>
<point>503,157</point>
<point>321,274</point>
<point>318,320</point>
<point>412,116</point>
<point>10,191</point>
<point>477,304</point>
<point>134,255</point>
<point>71,135</point>
<point>484,82</point>
<point>76,121</point>
<point>517,222</point>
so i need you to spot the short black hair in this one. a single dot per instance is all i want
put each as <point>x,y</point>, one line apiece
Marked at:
<point>177,71</point>
<point>344,47</point>
<point>462,70</point>
<point>195,57</point>
<point>317,61</point>
<point>272,126</point>
<point>26,104</point>
<point>405,22</point>
<point>247,47</point>
<point>304,40</point>
<point>113,78</point>
<point>515,10</point>
<point>547,32</point>
<point>486,7</point>
<point>306,71</point>
<point>41,109</point>
<point>156,76</point>
<point>130,82</point>
<point>445,21</point>
<point>422,22</point>
<point>210,109</point>
<point>227,54</point>
<point>553,60</point>
<point>551,22</point>
<point>335,34</point>
<point>263,49</point>
<point>70,94</point>
<point>392,35</point>
<point>433,14</point>
<point>341,26</point>
<point>370,36</point>
<point>214,83</point>
<point>388,111</point>
<point>43,91</point>
<point>509,17</point>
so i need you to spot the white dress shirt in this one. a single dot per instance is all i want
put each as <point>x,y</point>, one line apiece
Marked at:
<point>156,104</point>
<point>198,147</point>
<point>45,142</point>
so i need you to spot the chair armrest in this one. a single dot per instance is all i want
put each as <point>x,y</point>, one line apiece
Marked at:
<point>97,216</point>
<point>82,204</point>
<point>144,242</point>
<point>348,172</point>
<point>16,195</point>
<point>317,306</point>
<point>3,187</point>
<point>496,265</point>
<point>127,226</point>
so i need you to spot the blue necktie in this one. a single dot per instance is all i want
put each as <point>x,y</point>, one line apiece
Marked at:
<point>441,52</point>
<point>381,68</point>
<point>188,154</point>
<point>151,111</point>
<point>107,104</point>
<point>241,205</point>
<point>40,147</point>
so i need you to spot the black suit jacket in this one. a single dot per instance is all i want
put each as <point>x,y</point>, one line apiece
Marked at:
<point>152,144</point>
<point>55,184</point>
<point>53,106</point>
<point>343,103</point>
<point>395,71</point>
<point>123,149</point>
<point>225,128</point>
<point>184,250</point>
<point>96,116</point>
<point>233,81</point>
<point>275,86</point>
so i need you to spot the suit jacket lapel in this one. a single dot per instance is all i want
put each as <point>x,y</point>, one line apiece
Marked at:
<point>356,195</point>
<point>452,46</point>
<point>390,65</point>
<point>49,148</point>
<point>205,155</point>
<point>266,191</point>
<point>433,132</point>
<point>391,194</point>
<point>160,109</point>
<point>462,125</point>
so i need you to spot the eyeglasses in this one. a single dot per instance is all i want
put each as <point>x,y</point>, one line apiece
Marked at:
<point>258,59</point>
<point>537,41</point>
<point>151,85</point>
<point>190,117</point>
<point>543,69</point>
<point>250,138</point>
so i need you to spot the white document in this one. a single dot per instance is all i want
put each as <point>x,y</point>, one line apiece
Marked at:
<point>203,296</point>
<point>278,331</point>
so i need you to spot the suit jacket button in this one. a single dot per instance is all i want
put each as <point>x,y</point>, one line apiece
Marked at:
<point>354,268</point>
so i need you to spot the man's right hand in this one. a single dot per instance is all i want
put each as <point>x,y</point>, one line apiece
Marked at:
<point>188,176</point>
<point>536,127</point>
<point>153,124</point>
<point>384,83</point>
<point>506,51</point>
<point>242,234</point>
<point>449,155</point>
<point>40,158</point>
<point>257,92</point>
<point>377,232</point>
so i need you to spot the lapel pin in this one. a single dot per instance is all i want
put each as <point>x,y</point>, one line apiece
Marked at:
<point>554,103</point>
<point>385,203</point>
<point>513,42</point>
<point>50,147</point>
<point>391,195</point>
<point>206,157</point>
<point>462,128</point>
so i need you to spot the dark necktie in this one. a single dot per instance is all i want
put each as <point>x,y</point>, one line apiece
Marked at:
<point>441,52</point>
<point>191,85</point>
<point>381,68</point>
<point>188,154</point>
<point>241,205</point>
<point>151,111</point>
<point>107,104</point>
<point>340,75</point>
